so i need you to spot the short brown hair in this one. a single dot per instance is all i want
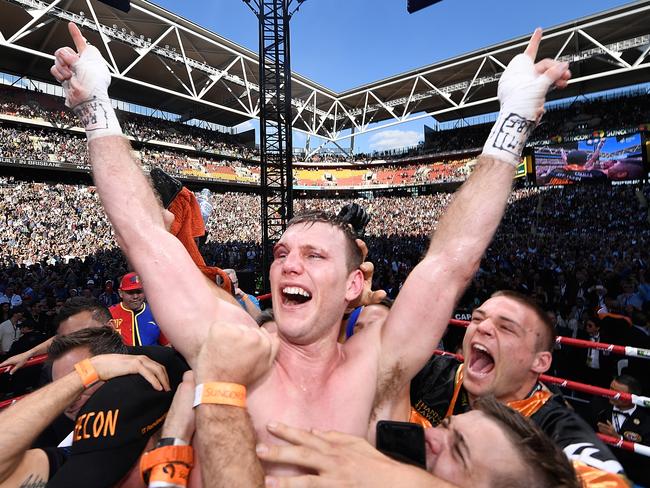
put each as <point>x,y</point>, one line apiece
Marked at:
<point>100,340</point>
<point>545,464</point>
<point>353,253</point>
<point>99,313</point>
<point>546,340</point>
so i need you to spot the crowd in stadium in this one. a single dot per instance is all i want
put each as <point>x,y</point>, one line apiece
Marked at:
<point>22,144</point>
<point>625,111</point>
<point>622,111</point>
<point>29,104</point>
<point>545,246</point>
<point>182,344</point>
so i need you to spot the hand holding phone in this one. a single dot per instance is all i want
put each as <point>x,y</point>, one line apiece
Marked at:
<point>402,441</point>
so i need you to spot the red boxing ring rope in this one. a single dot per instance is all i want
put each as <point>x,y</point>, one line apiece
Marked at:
<point>595,390</point>
<point>10,402</point>
<point>634,352</point>
<point>625,445</point>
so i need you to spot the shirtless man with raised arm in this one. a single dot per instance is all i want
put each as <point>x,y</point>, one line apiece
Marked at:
<point>315,382</point>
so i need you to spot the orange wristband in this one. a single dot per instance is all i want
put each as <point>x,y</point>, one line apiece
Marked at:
<point>87,372</point>
<point>220,394</point>
<point>170,475</point>
<point>167,466</point>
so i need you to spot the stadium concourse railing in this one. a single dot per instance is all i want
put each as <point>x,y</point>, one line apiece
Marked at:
<point>620,443</point>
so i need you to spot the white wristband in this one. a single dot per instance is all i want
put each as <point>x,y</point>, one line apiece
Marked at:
<point>90,82</point>
<point>98,118</point>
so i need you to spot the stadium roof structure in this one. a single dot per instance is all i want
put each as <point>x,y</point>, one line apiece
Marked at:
<point>161,60</point>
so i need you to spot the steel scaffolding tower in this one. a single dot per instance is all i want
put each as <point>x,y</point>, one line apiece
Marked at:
<point>275,122</point>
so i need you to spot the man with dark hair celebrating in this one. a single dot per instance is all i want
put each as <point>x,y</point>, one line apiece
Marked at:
<point>75,314</point>
<point>507,346</point>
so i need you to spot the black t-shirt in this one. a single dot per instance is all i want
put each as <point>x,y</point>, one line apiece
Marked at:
<point>562,175</point>
<point>433,387</point>
<point>56,457</point>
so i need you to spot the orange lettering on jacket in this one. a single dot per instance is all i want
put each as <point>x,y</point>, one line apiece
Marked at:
<point>103,425</point>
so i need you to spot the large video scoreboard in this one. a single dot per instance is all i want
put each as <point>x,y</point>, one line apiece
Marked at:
<point>615,158</point>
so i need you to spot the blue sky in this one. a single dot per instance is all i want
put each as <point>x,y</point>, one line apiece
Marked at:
<point>345,43</point>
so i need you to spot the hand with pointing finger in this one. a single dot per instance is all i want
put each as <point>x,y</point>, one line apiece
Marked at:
<point>524,84</point>
<point>522,93</point>
<point>85,78</point>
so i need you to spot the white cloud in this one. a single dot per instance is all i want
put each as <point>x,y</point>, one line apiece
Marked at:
<point>244,126</point>
<point>394,139</point>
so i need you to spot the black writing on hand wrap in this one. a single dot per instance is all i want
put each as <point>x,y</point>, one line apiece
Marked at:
<point>93,114</point>
<point>511,134</point>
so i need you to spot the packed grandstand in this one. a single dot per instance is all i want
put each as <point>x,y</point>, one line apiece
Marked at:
<point>581,251</point>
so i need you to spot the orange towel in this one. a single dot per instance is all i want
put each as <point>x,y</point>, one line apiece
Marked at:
<point>188,225</point>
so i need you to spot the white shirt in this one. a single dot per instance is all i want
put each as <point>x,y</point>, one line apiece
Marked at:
<point>594,357</point>
<point>16,301</point>
<point>618,419</point>
<point>8,335</point>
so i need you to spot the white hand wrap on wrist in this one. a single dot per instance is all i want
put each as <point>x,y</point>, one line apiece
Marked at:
<point>522,93</point>
<point>508,137</point>
<point>98,118</point>
<point>91,83</point>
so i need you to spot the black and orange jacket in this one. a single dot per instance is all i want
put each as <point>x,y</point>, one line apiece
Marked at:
<point>437,393</point>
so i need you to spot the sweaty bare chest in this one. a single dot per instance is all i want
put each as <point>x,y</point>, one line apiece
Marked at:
<point>343,402</point>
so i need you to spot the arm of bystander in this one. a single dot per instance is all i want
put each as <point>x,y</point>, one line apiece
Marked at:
<point>21,423</point>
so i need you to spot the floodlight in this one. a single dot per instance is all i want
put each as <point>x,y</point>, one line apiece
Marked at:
<point>415,5</point>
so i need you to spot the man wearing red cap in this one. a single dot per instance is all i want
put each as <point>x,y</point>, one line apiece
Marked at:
<point>132,317</point>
